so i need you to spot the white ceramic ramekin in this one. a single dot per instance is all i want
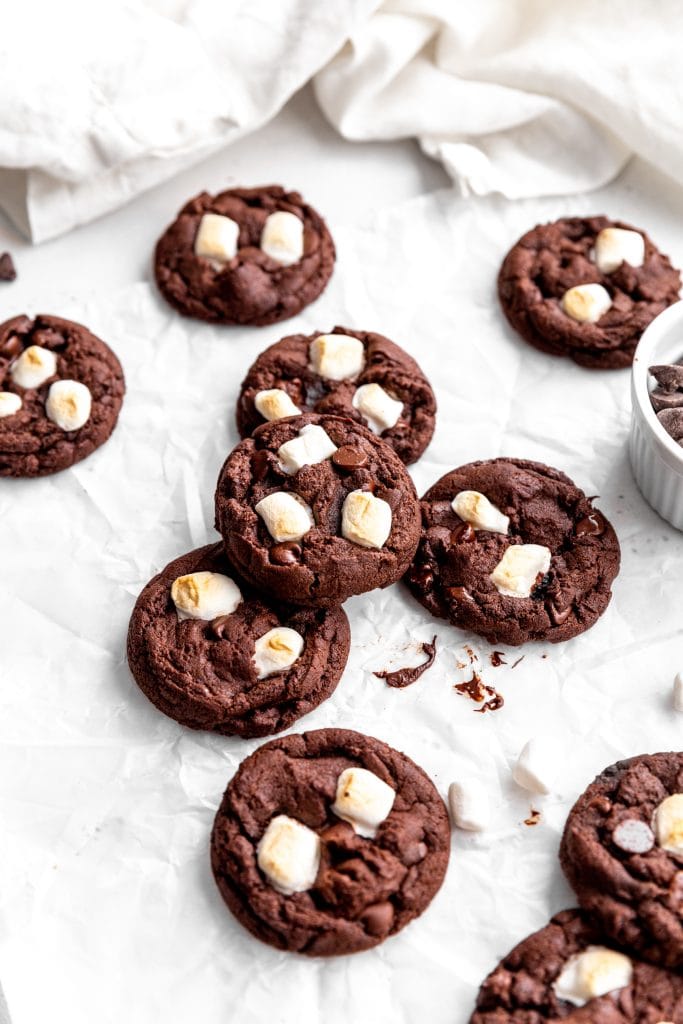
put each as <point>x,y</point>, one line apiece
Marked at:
<point>656,459</point>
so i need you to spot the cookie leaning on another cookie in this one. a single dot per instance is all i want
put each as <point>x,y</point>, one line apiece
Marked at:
<point>586,287</point>
<point>357,374</point>
<point>622,852</point>
<point>514,551</point>
<point>329,842</point>
<point>213,655</point>
<point>313,509</point>
<point>245,256</point>
<point>61,390</point>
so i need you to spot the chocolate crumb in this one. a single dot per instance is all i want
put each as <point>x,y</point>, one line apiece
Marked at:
<point>533,818</point>
<point>405,676</point>
<point>7,269</point>
<point>516,663</point>
<point>497,659</point>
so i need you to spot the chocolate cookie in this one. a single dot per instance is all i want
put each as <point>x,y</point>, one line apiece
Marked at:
<point>566,972</point>
<point>513,551</point>
<point>629,283</point>
<point>220,657</point>
<point>622,852</point>
<point>313,509</point>
<point>245,256</point>
<point>357,374</point>
<point>329,842</point>
<point>61,390</point>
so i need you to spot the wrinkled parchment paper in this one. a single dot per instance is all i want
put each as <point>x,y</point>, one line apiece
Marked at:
<point>109,911</point>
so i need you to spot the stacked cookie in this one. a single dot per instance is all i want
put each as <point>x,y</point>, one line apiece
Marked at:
<point>619,958</point>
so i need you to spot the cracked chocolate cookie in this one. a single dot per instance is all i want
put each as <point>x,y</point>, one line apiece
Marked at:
<point>356,374</point>
<point>313,509</point>
<point>211,654</point>
<point>61,390</point>
<point>513,551</point>
<point>328,842</point>
<point>586,287</point>
<point>245,256</point>
<point>565,972</point>
<point>622,852</point>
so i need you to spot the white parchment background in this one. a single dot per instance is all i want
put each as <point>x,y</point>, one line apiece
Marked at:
<point>108,909</point>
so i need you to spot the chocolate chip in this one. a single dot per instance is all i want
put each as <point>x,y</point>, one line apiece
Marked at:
<point>462,532</point>
<point>348,458</point>
<point>559,615</point>
<point>421,576</point>
<point>218,627</point>
<point>260,464</point>
<point>48,338</point>
<point>392,496</point>
<point>661,399</point>
<point>458,593</point>
<point>7,269</point>
<point>12,347</point>
<point>669,376</point>
<point>286,553</point>
<point>378,919</point>
<point>633,836</point>
<point>592,525</point>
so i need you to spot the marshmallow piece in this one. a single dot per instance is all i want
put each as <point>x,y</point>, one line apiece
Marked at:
<point>204,595</point>
<point>668,824</point>
<point>536,768</point>
<point>678,691</point>
<point>68,404</point>
<point>312,445</point>
<point>363,799</point>
<point>216,238</point>
<point>476,509</point>
<point>275,404</point>
<point>277,650</point>
<point>519,568</point>
<point>336,356</point>
<point>287,516</point>
<point>366,520</point>
<point>594,972</point>
<point>9,404</point>
<point>633,836</point>
<point>586,303</point>
<point>468,801</point>
<point>288,854</point>
<point>282,237</point>
<point>615,246</point>
<point>33,367</point>
<point>379,410</point>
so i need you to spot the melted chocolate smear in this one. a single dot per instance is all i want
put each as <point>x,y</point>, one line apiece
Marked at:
<point>405,676</point>
<point>7,269</point>
<point>497,659</point>
<point>533,818</point>
<point>477,690</point>
<point>592,525</point>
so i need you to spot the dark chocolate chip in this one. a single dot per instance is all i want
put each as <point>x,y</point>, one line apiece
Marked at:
<point>218,627</point>
<point>421,576</point>
<point>669,377</point>
<point>286,553</point>
<point>7,269</point>
<point>378,919</point>
<point>592,525</point>
<point>349,458</point>
<point>458,593</point>
<point>46,337</point>
<point>559,615</point>
<point>12,347</point>
<point>462,532</point>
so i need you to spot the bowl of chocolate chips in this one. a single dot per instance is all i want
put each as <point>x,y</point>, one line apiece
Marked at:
<point>656,441</point>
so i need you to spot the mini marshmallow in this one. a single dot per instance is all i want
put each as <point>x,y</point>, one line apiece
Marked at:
<point>476,509</point>
<point>615,246</point>
<point>336,356</point>
<point>363,799</point>
<point>468,801</point>
<point>668,824</point>
<point>678,691</point>
<point>277,650</point>
<point>33,367</point>
<point>519,568</point>
<point>68,404</point>
<point>275,404</point>
<point>586,303</point>
<point>282,237</point>
<point>366,520</point>
<point>287,516</point>
<point>536,767</point>
<point>288,854</point>
<point>9,404</point>
<point>216,238</point>
<point>379,410</point>
<point>592,973</point>
<point>204,595</point>
<point>312,445</point>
